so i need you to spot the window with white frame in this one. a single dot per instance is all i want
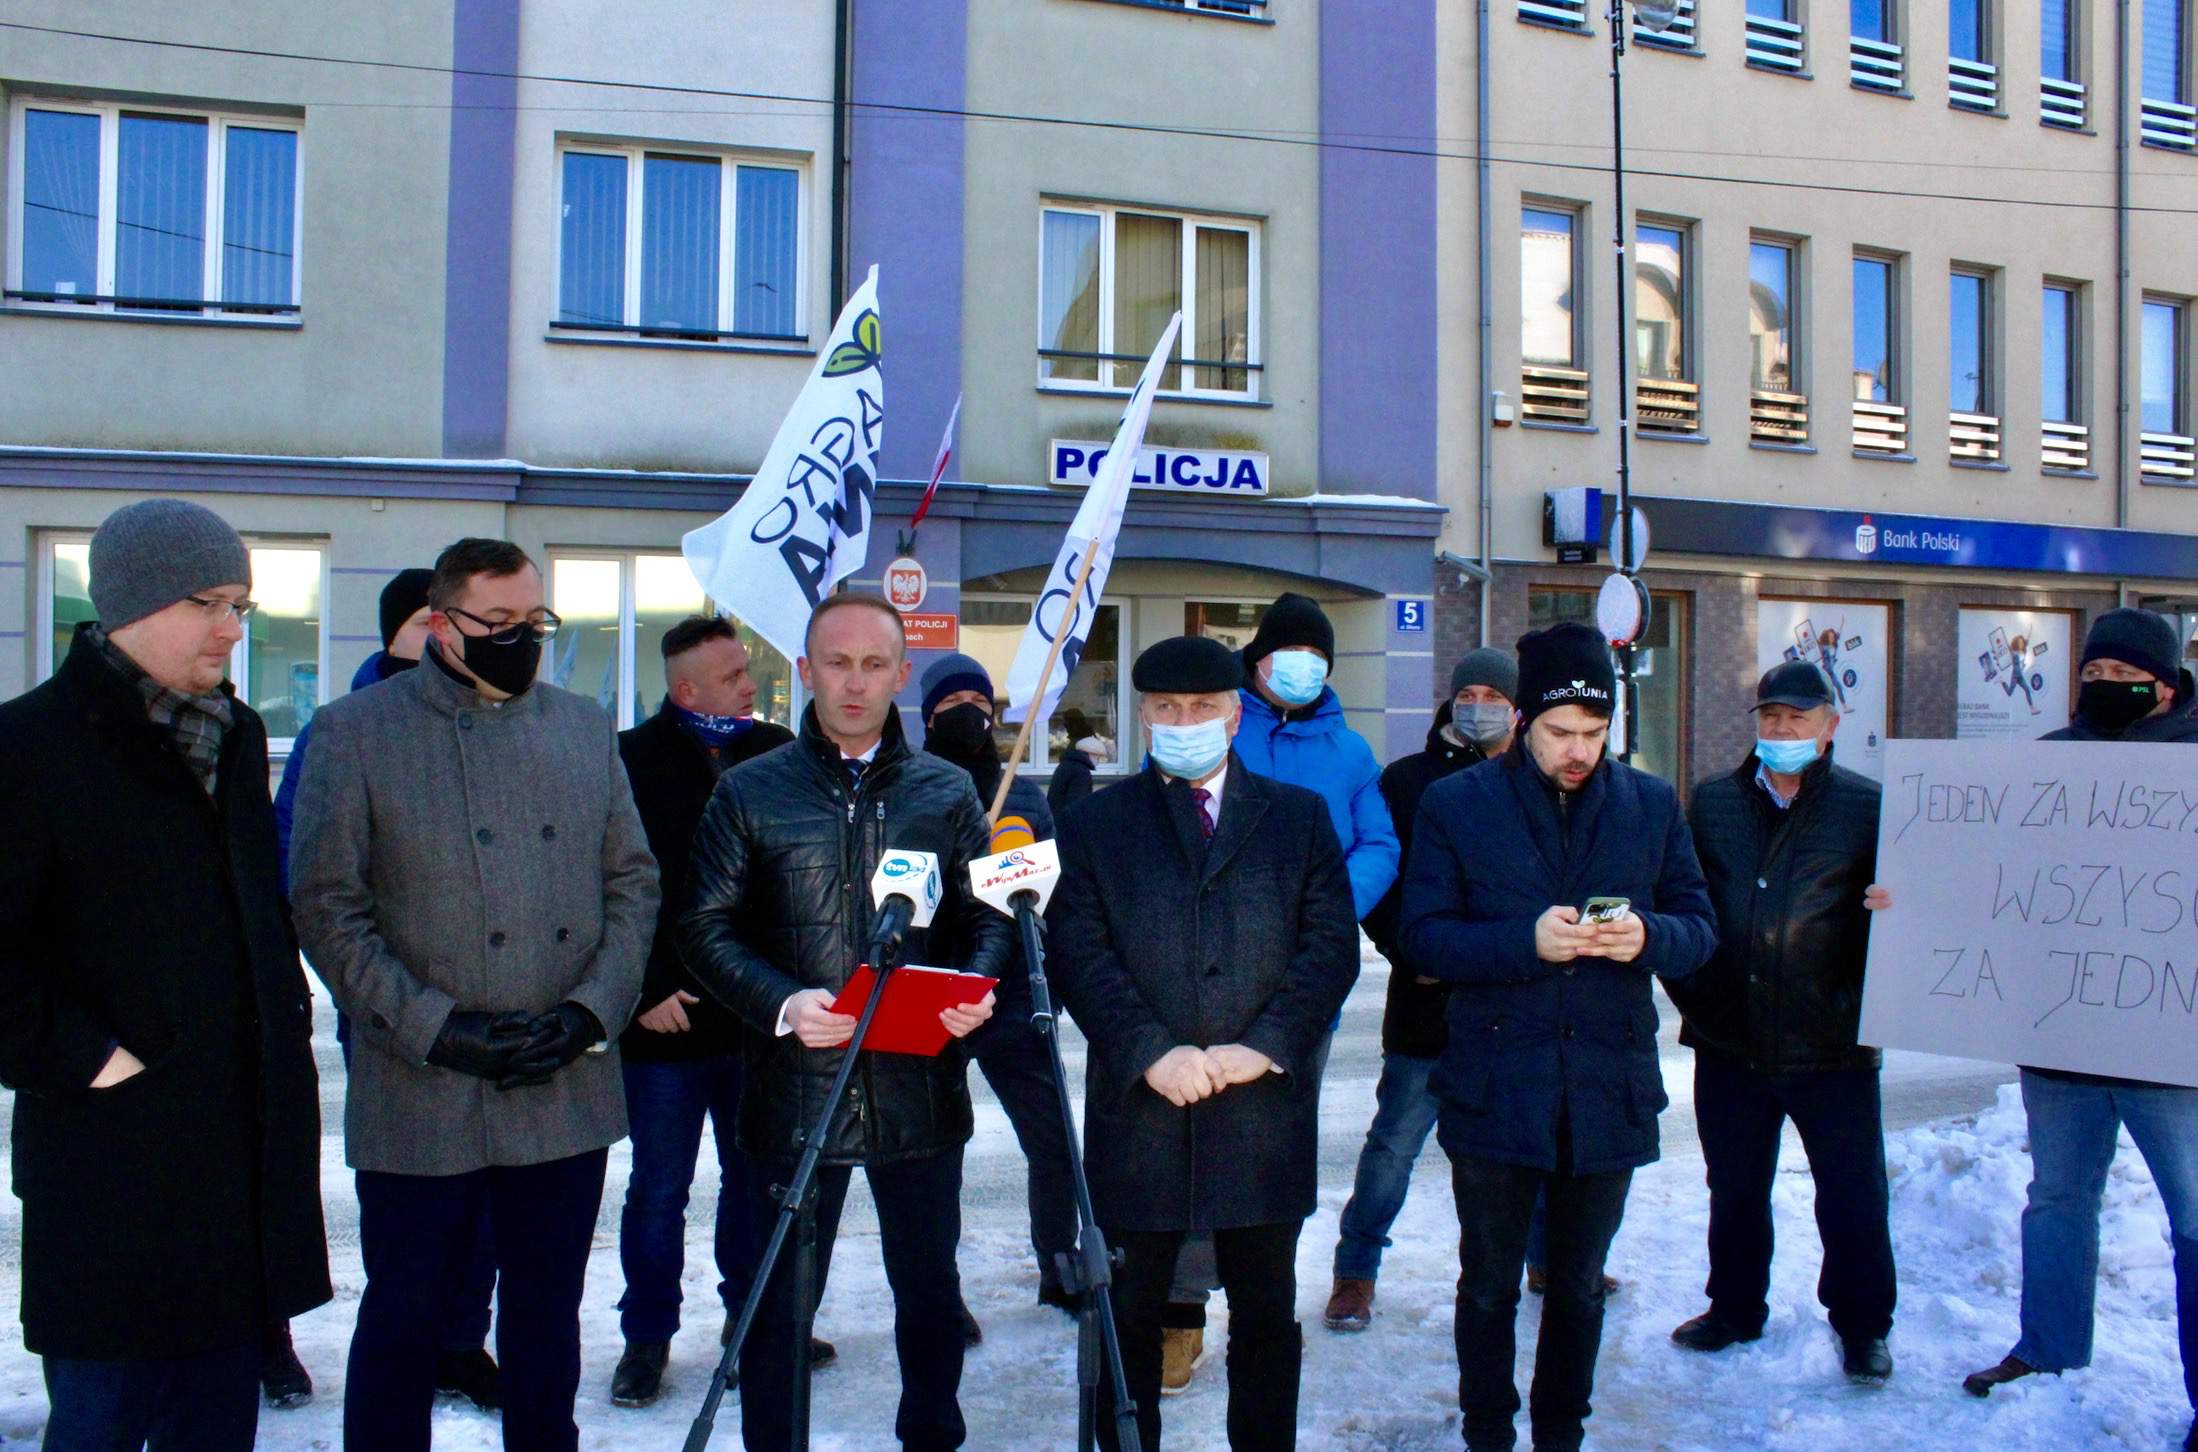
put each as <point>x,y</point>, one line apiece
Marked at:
<point>279,668</point>
<point>1094,703</point>
<point>1110,278</point>
<point>122,208</point>
<point>616,606</point>
<point>679,242</point>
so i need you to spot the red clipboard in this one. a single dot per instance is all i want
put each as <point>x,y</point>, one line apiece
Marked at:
<point>908,1015</point>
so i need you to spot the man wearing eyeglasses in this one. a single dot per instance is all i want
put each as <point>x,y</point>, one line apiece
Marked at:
<point>483,915</point>
<point>154,1023</point>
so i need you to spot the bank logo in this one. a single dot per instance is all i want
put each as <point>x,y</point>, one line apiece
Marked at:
<point>1865,537</point>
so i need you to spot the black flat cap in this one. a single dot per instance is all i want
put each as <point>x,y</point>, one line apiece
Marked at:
<point>1188,665</point>
<point>1796,683</point>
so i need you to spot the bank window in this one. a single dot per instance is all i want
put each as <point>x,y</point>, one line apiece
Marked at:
<point>1111,277</point>
<point>1778,405</point>
<point>133,209</point>
<point>1972,383</point>
<point>2065,440</point>
<point>1666,399</point>
<point>616,608</point>
<point>679,244</point>
<point>2165,443</point>
<point>1659,670</point>
<point>1093,705</point>
<point>279,668</point>
<point>1553,383</point>
<point>1880,416</point>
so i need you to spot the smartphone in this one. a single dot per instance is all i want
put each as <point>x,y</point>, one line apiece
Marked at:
<point>1605,909</point>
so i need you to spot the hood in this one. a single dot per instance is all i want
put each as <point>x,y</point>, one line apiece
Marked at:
<point>1323,717</point>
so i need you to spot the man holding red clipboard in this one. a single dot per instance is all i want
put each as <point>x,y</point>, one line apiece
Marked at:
<point>778,928</point>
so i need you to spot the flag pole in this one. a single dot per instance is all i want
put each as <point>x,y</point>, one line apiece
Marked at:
<point>1045,682</point>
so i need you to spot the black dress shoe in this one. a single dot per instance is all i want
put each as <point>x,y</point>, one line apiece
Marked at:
<point>282,1377</point>
<point>822,1353</point>
<point>2011,1368</point>
<point>640,1373</point>
<point>472,1375</point>
<point>1711,1332</point>
<point>1867,1361</point>
<point>972,1333</point>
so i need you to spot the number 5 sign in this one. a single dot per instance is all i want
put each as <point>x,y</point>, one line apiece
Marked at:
<point>1411,617</point>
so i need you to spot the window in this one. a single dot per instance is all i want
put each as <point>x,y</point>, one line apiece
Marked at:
<point>1093,703</point>
<point>1659,669</point>
<point>131,209</point>
<point>1875,61</point>
<point>2167,118</point>
<point>1971,388</point>
<point>1880,420</point>
<point>2065,442</point>
<point>1565,14</point>
<point>616,608</point>
<point>2061,92</point>
<point>279,666</point>
<point>1666,400</point>
<point>2165,446</point>
<point>1554,385</point>
<point>1972,68</point>
<point>1109,280</point>
<point>1679,35</point>
<point>1775,37</point>
<point>679,244</point>
<point>1778,406</point>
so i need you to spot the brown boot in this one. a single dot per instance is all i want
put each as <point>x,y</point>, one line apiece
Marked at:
<point>1350,1305</point>
<point>2011,1368</point>
<point>1182,1351</point>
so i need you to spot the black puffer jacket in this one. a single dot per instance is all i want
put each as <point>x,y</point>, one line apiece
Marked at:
<point>1783,991</point>
<point>780,877</point>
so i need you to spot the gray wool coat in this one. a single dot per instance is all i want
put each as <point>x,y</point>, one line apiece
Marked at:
<point>452,854</point>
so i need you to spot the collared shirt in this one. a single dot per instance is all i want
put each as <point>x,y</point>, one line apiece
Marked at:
<point>196,724</point>
<point>1211,786</point>
<point>854,766</point>
<point>1763,780</point>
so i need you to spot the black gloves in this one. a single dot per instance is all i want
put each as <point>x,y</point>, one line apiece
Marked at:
<point>553,1040</point>
<point>479,1043</point>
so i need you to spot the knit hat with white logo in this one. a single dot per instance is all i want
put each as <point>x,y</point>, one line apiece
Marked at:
<point>1565,665</point>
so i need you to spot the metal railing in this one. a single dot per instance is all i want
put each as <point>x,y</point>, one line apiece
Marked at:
<point>2063,103</point>
<point>1972,85</point>
<point>1973,436</point>
<point>1679,35</point>
<point>1667,406</point>
<point>1778,418</point>
<point>1572,14</point>
<point>2167,456</point>
<point>2064,445</point>
<point>1880,428</point>
<point>1554,395</point>
<point>2168,123</point>
<point>1876,65</point>
<point>1774,44</point>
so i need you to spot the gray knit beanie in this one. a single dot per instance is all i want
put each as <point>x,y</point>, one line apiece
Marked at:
<point>151,554</point>
<point>1487,666</point>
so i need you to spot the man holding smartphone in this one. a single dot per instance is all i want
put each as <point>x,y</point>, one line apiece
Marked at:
<point>1548,1083</point>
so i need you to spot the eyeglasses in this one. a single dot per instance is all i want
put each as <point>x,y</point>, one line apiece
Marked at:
<point>541,626</point>
<point>221,609</point>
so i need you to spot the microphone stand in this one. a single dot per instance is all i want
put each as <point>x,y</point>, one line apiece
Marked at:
<point>1089,1273</point>
<point>797,1218</point>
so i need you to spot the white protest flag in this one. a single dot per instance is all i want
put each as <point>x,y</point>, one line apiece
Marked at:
<point>804,523</point>
<point>1080,573</point>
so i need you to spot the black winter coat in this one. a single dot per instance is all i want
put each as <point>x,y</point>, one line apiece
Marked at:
<point>1493,849</point>
<point>780,901</point>
<point>1412,1016</point>
<point>1783,991</point>
<point>179,1211</point>
<point>1159,938</point>
<point>672,778</point>
<point>1071,782</point>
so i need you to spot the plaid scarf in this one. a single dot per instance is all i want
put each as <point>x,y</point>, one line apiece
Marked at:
<point>194,724</point>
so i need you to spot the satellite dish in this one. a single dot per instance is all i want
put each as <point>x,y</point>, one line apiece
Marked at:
<point>1655,16</point>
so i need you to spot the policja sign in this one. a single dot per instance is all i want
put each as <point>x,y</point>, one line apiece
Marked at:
<point>1160,466</point>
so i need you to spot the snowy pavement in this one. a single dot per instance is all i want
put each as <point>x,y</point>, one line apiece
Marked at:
<point>1956,1148</point>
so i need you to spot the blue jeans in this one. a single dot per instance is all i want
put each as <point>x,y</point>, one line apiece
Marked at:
<point>203,1403</point>
<point>666,1104</point>
<point>2073,1127</point>
<point>1404,1113</point>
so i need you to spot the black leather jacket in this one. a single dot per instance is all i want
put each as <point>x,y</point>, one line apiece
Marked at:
<point>781,882</point>
<point>1783,992</point>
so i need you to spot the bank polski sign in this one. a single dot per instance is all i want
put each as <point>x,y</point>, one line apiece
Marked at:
<point>1161,466</point>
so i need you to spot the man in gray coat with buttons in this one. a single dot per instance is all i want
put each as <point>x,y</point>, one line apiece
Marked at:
<point>484,916</point>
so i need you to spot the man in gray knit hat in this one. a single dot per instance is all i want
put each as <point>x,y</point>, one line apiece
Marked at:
<point>154,1022</point>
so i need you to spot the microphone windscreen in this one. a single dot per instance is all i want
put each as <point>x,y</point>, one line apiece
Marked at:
<point>1012,832</point>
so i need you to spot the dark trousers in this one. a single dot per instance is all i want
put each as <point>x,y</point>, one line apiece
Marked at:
<point>1019,1067</point>
<point>666,1103</point>
<point>1741,1115</point>
<point>1258,1271</point>
<point>417,1232</point>
<point>203,1403</point>
<point>1495,1205</point>
<point>919,1205</point>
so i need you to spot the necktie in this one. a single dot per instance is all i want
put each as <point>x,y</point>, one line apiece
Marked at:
<point>854,770</point>
<point>1204,799</point>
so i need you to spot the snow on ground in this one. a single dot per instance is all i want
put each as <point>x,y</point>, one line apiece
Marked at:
<point>1957,1194</point>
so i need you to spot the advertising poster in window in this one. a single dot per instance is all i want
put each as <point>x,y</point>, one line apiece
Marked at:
<point>1849,640</point>
<point>2012,674</point>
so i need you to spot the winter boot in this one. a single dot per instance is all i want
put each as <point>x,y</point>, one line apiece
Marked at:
<point>1866,1359</point>
<point>640,1373</point>
<point>472,1375</point>
<point>1712,1332</point>
<point>282,1377</point>
<point>2011,1368</point>
<point>1350,1305</point>
<point>1182,1351</point>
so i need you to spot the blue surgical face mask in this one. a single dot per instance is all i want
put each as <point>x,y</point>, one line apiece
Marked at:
<point>1297,675</point>
<point>1190,751</point>
<point>1787,758</point>
<point>714,731</point>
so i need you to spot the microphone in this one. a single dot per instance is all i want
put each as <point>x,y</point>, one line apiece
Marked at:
<point>1020,878</point>
<point>1013,831</point>
<point>906,890</point>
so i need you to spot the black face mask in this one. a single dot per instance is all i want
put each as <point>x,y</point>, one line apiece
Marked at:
<point>510,668</point>
<point>2112,707</point>
<point>962,733</point>
<point>396,664</point>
